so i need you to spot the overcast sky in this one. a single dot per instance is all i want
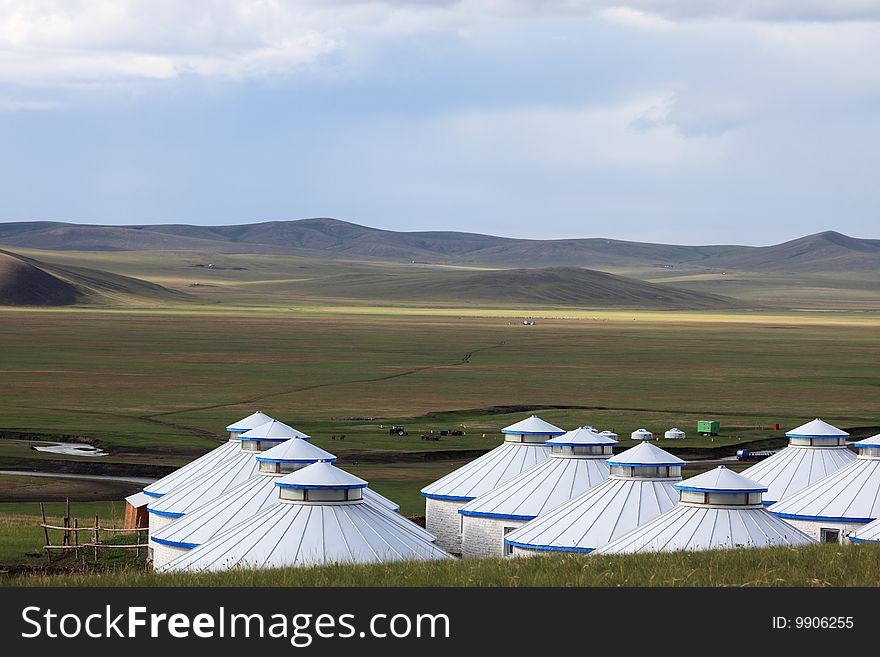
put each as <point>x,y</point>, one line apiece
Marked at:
<point>681,121</point>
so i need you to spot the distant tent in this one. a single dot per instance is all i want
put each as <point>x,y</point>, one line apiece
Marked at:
<point>320,519</point>
<point>718,509</point>
<point>577,462</point>
<point>522,449</point>
<point>675,434</point>
<point>640,487</point>
<point>642,434</point>
<point>815,450</point>
<point>252,421</point>
<point>841,503</point>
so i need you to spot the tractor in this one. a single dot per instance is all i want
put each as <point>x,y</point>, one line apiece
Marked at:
<point>398,430</point>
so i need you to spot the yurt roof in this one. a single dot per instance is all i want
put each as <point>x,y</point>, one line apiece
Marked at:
<point>581,436</point>
<point>273,430</point>
<point>708,528</point>
<point>646,454</point>
<point>487,472</point>
<point>870,533</point>
<point>535,491</point>
<point>200,490</point>
<point>641,430</point>
<point>286,535</point>
<point>321,475</point>
<point>794,468</point>
<point>873,441</point>
<point>242,503</point>
<point>295,450</point>
<point>852,494</point>
<point>721,480</point>
<point>675,430</point>
<point>533,425</point>
<point>252,421</point>
<point>137,500</point>
<point>816,429</point>
<point>194,469</point>
<point>598,516</point>
<point>608,433</point>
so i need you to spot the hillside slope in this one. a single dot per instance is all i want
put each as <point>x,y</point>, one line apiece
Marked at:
<point>556,286</point>
<point>27,281</point>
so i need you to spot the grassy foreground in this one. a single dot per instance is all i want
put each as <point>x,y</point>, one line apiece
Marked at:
<point>820,565</point>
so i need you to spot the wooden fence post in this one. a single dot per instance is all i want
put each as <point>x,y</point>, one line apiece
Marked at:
<point>97,537</point>
<point>76,538</point>
<point>46,532</point>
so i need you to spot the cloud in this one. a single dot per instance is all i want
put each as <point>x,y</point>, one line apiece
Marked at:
<point>11,105</point>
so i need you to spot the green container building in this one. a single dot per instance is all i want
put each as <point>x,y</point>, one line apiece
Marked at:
<point>708,427</point>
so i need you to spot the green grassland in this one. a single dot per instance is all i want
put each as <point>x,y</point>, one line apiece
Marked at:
<point>815,566</point>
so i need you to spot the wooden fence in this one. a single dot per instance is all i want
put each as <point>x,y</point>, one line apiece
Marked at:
<point>70,536</point>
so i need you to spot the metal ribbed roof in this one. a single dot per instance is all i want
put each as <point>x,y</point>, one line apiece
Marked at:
<point>697,528</point>
<point>320,475</point>
<point>195,469</point>
<point>645,454</point>
<point>252,421</point>
<point>295,450</point>
<point>816,429</point>
<point>533,425</point>
<point>488,471</point>
<point>598,516</point>
<point>721,480</point>
<point>545,486</point>
<point>581,436</point>
<point>273,430</point>
<point>870,533</point>
<point>794,468</point>
<point>203,489</point>
<point>850,494</point>
<point>289,534</point>
<point>244,502</point>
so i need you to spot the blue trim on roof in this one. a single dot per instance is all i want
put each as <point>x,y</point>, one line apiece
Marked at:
<point>151,494</point>
<point>552,444</point>
<point>501,516</point>
<point>231,430</point>
<point>856,539</point>
<point>721,490</point>
<point>865,443</point>
<point>166,514</point>
<point>319,487</point>
<point>269,440</point>
<point>263,459</point>
<point>811,435</point>
<point>450,498</point>
<point>768,502</point>
<point>794,516</point>
<point>646,465</point>
<point>549,548</point>
<point>162,541</point>
<point>534,433</point>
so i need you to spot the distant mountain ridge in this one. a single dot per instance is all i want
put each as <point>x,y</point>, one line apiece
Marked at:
<point>826,251</point>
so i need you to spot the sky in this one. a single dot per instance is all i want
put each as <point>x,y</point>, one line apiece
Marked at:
<point>679,121</point>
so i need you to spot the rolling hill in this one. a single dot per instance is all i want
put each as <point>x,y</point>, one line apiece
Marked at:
<point>827,251</point>
<point>556,286</point>
<point>27,281</point>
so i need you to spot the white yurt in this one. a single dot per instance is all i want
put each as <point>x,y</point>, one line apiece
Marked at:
<point>522,449</point>
<point>252,421</point>
<point>577,462</point>
<point>251,497</point>
<point>869,533</point>
<point>717,510</point>
<point>675,434</point>
<point>815,450</point>
<point>609,434</point>
<point>642,434</point>
<point>841,503</point>
<point>202,488</point>
<point>320,518</point>
<point>640,487</point>
<point>205,463</point>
